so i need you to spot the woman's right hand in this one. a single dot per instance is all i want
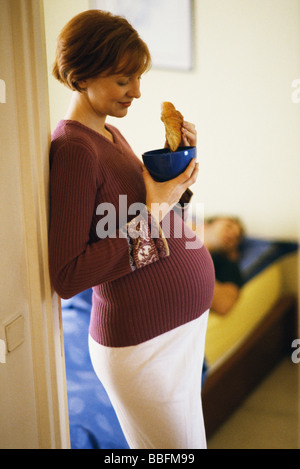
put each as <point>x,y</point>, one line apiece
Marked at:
<point>162,196</point>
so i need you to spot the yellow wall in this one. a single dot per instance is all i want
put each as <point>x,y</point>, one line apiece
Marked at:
<point>33,409</point>
<point>239,96</point>
<point>16,404</point>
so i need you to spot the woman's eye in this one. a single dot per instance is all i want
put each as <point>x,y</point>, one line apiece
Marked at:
<point>126,82</point>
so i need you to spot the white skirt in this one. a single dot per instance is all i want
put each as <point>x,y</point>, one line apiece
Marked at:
<point>155,387</point>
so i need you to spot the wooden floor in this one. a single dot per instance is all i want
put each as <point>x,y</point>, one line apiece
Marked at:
<point>268,418</point>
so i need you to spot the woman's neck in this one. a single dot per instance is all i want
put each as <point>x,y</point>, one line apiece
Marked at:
<point>79,111</point>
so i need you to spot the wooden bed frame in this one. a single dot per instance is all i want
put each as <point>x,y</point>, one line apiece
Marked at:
<point>227,386</point>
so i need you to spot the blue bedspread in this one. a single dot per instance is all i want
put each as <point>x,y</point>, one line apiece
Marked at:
<point>93,422</point>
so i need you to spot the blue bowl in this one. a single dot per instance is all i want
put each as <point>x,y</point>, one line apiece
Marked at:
<point>164,164</point>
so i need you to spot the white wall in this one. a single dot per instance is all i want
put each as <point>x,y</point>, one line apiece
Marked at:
<point>239,96</point>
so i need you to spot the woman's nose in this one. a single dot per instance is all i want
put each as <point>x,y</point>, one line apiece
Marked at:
<point>134,91</point>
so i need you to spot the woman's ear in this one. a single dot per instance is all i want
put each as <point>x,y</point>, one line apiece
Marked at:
<point>81,85</point>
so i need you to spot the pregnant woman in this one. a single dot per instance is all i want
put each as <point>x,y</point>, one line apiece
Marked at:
<point>151,295</point>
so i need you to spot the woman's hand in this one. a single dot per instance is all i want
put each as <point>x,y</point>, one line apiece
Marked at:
<point>189,134</point>
<point>162,196</point>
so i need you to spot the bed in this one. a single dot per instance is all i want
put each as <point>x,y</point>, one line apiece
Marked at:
<point>244,345</point>
<point>240,347</point>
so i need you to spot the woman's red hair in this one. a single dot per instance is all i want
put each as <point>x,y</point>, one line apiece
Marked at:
<point>97,42</point>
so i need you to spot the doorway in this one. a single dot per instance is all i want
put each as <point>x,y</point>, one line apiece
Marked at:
<point>33,409</point>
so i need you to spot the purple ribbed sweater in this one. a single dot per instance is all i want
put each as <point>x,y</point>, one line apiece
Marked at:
<point>129,307</point>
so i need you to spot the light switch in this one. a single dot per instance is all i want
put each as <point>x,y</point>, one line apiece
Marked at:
<point>14,332</point>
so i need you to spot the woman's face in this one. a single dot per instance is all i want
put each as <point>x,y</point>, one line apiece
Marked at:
<point>111,95</point>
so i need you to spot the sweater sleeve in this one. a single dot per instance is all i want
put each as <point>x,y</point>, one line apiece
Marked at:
<point>75,263</point>
<point>146,240</point>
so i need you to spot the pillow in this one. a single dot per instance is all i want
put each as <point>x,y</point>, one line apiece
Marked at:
<point>257,254</point>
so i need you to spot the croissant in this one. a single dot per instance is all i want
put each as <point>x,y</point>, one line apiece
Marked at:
<point>173,120</point>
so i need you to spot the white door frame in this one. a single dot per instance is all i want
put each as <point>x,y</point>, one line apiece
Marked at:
<point>43,306</point>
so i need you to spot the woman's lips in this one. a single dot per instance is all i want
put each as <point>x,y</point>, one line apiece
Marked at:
<point>126,104</point>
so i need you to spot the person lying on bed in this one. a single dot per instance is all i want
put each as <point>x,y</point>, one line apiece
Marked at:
<point>222,237</point>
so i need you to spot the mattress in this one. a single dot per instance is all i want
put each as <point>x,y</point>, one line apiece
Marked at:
<point>226,333</point>
<point>272,274</point>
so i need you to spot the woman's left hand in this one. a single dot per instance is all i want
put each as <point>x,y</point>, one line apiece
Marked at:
<point>189,134</point>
